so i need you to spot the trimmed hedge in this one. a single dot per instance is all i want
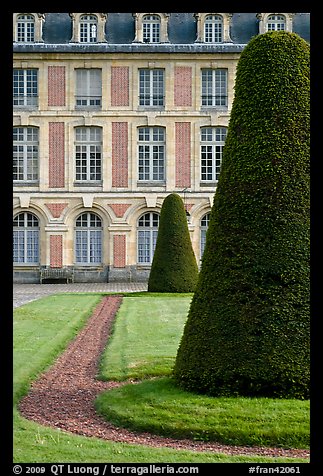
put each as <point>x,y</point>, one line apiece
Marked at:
<point>174,268</point>
<point>247,331</point>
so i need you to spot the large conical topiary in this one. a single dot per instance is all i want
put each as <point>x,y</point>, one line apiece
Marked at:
<point>174,268</point>
<point>247,331</point>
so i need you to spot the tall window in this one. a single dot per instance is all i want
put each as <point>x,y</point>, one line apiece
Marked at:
<point>88,88</point>
<point>151,87</point>
<point>26,239</point>
<point>88,29</point>
<point>151,152</point>
<point>88,239</point>
<point>25,28</point>
<point>205,220</point>
<point>25,87</point>
<point>25,154</point>
<point>212,142</point>
<point>213,29</point>
<point>276,23</point>
<point>215,87</point>
<point>151,29</point>
<point>88,154</point>
<point>147,237</point>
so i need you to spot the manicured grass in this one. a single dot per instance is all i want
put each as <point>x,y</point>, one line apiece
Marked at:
<point>158,406</point>
<point>145,337</point>
<point>42,330</point>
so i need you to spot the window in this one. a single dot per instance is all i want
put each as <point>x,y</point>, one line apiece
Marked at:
<point>215,87</point>
<point>212,142</point>
<point>88,153</point>
<point>25,87</point>
<point>276,23</point>
<point>205,220</point>
<point>151,87</point>
<point>25,154</point>
<point>213,29</point>
<point>88,27</point>
<point>151,27</point>
<point>28,27</point>
<point>88,239</point>
<point>88,88</point>
<point>151,153</point>
<point>147,237</point>
<point>26,239</point>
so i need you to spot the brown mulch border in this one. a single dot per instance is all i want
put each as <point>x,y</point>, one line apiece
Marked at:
<point>63,396</point>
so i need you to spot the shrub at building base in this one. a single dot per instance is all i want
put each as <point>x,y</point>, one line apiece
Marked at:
<point>174,268</point>
<point>248,325</point>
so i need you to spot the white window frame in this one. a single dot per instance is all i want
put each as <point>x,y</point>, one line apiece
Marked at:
<point>152,87</point>
<point>25,88</point>
<point>88,154</point>
<point>26,239</point>
<point>212,141</point>
<point>28,27</point>
<point>151,154</point>
<point>264,19</point>
<point>213,29</point>
<point>204,224</point>
<point>146,34</point>
<point>88,88</point>
<point>99,19</point>
<point>214,83</point>
<point>276,23</point>
<point>147,231</point>
<point>88,239</point>
<point>203,18</point>
<point>26,154</point>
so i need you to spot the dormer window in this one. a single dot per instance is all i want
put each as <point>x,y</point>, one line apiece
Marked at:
<point>27,27</point>
<point>151,27</point>
<point>88,27</point>
<point>275,22</point>
<point>213,27</point>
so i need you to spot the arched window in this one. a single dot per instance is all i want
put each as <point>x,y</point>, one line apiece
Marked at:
<point>26,239</point>
<point>25,154</point>
<point>147,237</point>
<point>25,28</point>
<point>205,220</point>
<point>213,29</point>
<point>88,29</point>
<point>88,239</point>
<point>212,143</point>
<point>151,29</point>
<point>276,23</point>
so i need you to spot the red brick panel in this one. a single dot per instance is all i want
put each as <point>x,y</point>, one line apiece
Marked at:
<point>183,154</point>
<point>56,155</point>
<point>183,86</point>
<point>120,86</point>
<point>119,251</point>
<point>56,251</point>
<point>56,209</point>
<point>56,85</point>
<point>119,209</point>
<point>119,154</point>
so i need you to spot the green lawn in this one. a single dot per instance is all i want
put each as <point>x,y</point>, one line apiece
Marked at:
<point>42,330</point>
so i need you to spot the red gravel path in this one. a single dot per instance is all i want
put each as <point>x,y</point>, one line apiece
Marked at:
<point>63,396</point>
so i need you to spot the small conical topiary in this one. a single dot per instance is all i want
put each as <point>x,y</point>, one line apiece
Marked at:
<point>174,268</point>
<point>248,328</point>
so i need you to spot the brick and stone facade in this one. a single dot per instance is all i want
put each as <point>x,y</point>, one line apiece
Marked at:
<point>97,159</point>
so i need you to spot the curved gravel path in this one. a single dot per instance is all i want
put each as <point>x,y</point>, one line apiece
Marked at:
<point>63,396</point>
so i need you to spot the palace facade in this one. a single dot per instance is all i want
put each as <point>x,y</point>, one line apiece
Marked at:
<point>111,113</point>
